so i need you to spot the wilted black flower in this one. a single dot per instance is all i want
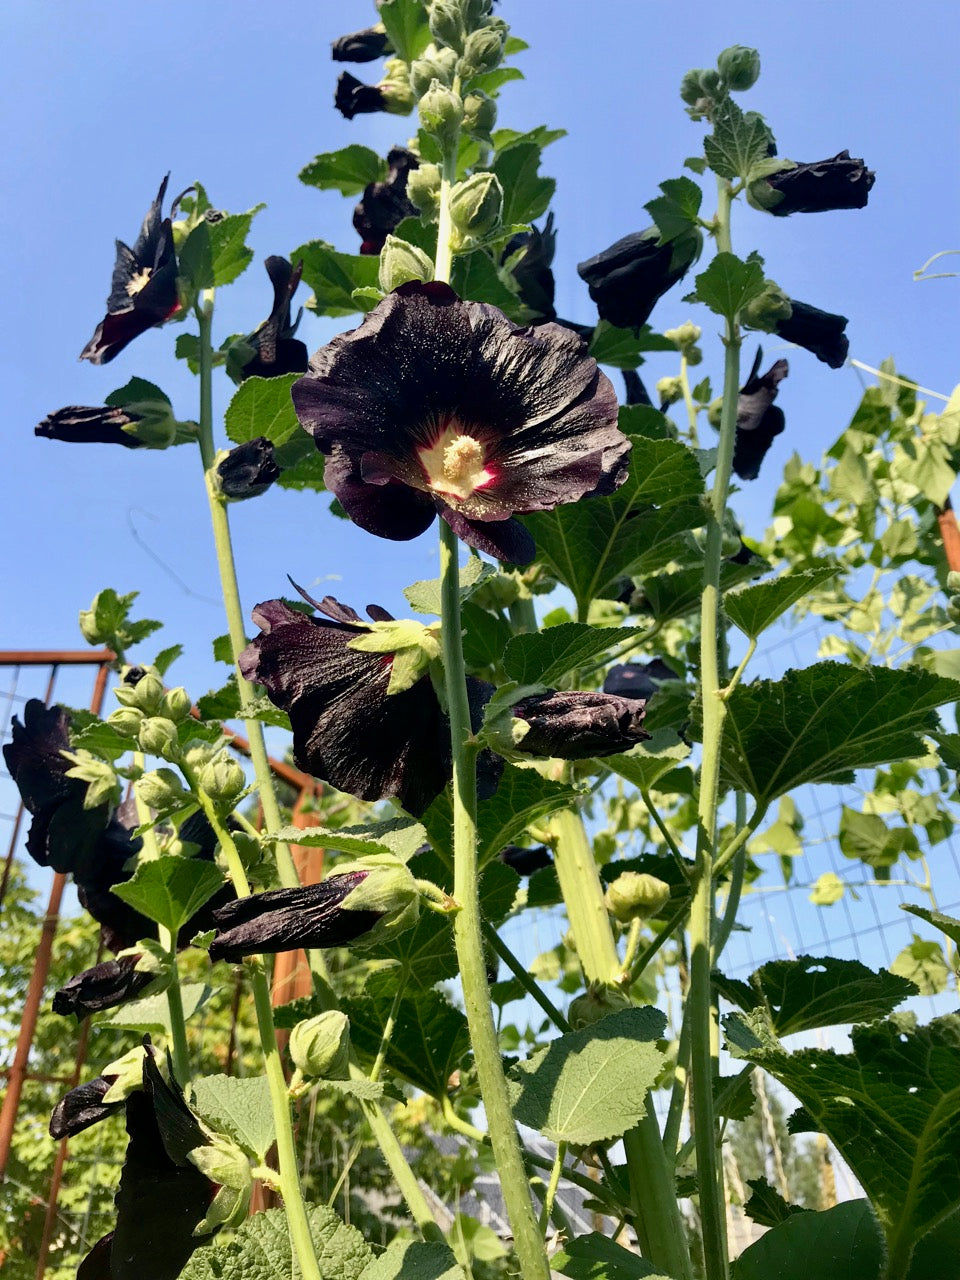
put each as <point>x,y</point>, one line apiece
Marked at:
<point>143,292</point>
<point>759,420</point>
<point>579,724</point>
<point>354,98</point>
<point>820,332</point>
<point>347,730</point>
<point>102,987</point>
<point>248,470</point>
<point>526,862</point>
<point>535,282</point>
<point>82,424</point>
<point>82,1107</point>
<point>361,46</point>
<point>273,349</point>
<point>637,679</point>
<point>434,405</point>
<point>384,205</point>
<point>627,280</point>
<point>840,182</point>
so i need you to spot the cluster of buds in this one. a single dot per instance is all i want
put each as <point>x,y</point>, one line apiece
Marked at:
<point>702,89</point>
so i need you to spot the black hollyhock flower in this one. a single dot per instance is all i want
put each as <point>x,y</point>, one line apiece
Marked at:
<point>637,679</point>
<point>578,725</point>
<point>434,405</point>
<point>535,282</point>
<point>274,349</point>
<point>102,987</point>
<point>248,470</point>
<point>82,1107</point>
<point>82,424</point>
<point>627,280</point>
<point>526,862</point>
<point>636,392</point>
<point>759,420</point>
<point>840,182</point>
<point>820,332</point>
<point>384,204</point>
<point>361,46</point>
<point>354,98</point>
<point>346,729</point>
<point>143,292</point>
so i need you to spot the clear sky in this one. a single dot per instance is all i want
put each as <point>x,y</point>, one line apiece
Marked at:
<point>100,99</point>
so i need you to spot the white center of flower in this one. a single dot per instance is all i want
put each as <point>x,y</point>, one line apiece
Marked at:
<point>454,463</point>
<point>137,282</point>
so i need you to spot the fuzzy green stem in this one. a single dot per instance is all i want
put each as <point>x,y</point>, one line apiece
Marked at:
<point>583,896</point>
<point>640,961</point>
<point>688,401</point>
<point>552,1185</point>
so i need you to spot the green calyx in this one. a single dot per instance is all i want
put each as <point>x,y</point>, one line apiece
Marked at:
<point>441,113</point>
<point>389,889</point>
<point>103,785</point>
<point>475,208</point>
<point>634,895</point>
<point>413,645</point>
<point>223,1162</point>
<point>767,309</point>
<point>401,262</point>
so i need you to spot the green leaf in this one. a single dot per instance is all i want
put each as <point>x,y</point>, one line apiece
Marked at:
<point>101,740</point>
<point>647,762</point>
<point>545,657</point>
<point>949,925</point>
<point>486,636</point>
<point>923,964</point>
<point>154,1011</point>
<point>738,142</point>
<point>405,22</point>
<point>333,277</point>
<point>260,1249</point>
<point>526,194</point>
<point>429,1039</point>
<point>676,594</point>
<point>827,889</point>
<point>812,992</point>
<point>844,1241</point>
<point>729,283</point>
<point>400,837</point>
<point>424,596</point>
<point>591,1086</point>
<point>925,464</point>
<point>348,170</point>
<point>170,889</point>
<point>819,724</point>
<point>867,837</point>
<point>733,1096</point>
<point>215,253</point>
<point>624,348</point>
<point>262,407</point>
<point>766,1206</point>
<point>167,657</point>
<point>476,276</point>
<point>541,136</point>
<point>490,81</point>
<point>753,609</point>
<point>136,391</point>
<point>676,211</point>
<point>597,1257</point>
<point>406,1259</point>
<point>238,1107</point>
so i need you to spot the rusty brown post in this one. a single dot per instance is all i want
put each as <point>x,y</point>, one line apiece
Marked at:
<point>947,520</point>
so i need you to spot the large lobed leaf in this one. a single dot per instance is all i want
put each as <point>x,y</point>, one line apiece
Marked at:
<point>429,1038</point>
<point>260,1250</point>
<point>545,657</point>
<point>239,1107</point>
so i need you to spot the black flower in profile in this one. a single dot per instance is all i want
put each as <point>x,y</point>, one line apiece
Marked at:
<point>347,730</point>
<point>354,98</point>
<point>434,405</point>
<point>819,332</point>
<point>272,350</point>
<point>627,280</point>
<point>91,424</point>
<point>526,862</point>
<point>839,182</point>
<point>82,1107</point>
<point>579,724</point>
<point>361,46</point>
<point>103,987</point>
<point>143,291</point>
<point>384,205</point>
<point>759,420</point>
<point>532,268</point>
<point>248,470</point>
<point>636,392</point>
<point>638,679</point>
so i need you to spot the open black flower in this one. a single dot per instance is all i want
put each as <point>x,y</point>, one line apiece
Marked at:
<point>384,205</point>
<point>579,724</point>
<point>361,46</point>
<point>103,987</point>
<point>248,470</point>
<point>434,405</point>
<point>638,679</point>
<point>347,730</point>
<point>143,291</point>
<point>273,349</point>
<point>759,420</point>
<point>627,280</point>
<point>532,270</point>
<point>820,332</point>
<point>839,182</point>
<point>91,424</point>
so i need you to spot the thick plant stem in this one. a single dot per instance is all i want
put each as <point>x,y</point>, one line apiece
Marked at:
<point>702,1035</point>
<point>468,936</point>
<point>583,895</point>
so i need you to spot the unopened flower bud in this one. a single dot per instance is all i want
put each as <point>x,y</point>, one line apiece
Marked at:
<point>196,754</point>
<point>423,190</point>
<point>953,580</point>
<point>320,1046</point>
<point>126,720</point>
<point>158,737</point>
<point>739,67</point>
<point>595,1003</point>
<point>247,470</point>
<point>670,390</point>
<point>223,780</point>
<point>710,82</point>
<point>400,262</point>
<point>227,1165</point>
<point>634,895</point>
<point>767,309</point>
<point>684,336</point>
<point>690,87</point>
<point>89,629</point>
<point>161,789</point>
<point>435,64</point>
<point>395,87</point>
<point>475,12</point>
<point>482,52</point>
<point>579,724</point>
<point>441,111</point>
<point>446,24</point>
<point>715,412</point>
<point>475,207</point>
<point>146,695</point>
<point>176,704</point>
<point>479,114</point>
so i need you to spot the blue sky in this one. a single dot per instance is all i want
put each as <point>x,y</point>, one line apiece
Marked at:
<point>102,99</point>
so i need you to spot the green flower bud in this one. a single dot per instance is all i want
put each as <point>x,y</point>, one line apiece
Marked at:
<point>684,336</point>
<point>161,789</point>
<point>953,580</point>
<point>401,261</point>
<point>423,190</point>
<point>739,67</point>
<point>475,207</point>
<point>223,1162</point>
<point>196,754</point>
<point>436,64</point>
<point>176,704</point>
<point>670,390</point>
<point>146,695</point>
<point>482,52</point>
<point>441,111</point>
<point>479,114</point>
<point>223,780</point>
<point>595,1003</point>
<point>475,13</point>
<point>634,895</point>
<point>320,1046</point>
<point>690,86</point>
<point>395,87</point>
<point>714,412</point>
<point>89,629</point>
<point>446,24</point>
<point>710,82</point>
<point>158,737</point>
<point>769,309</point>
<point>126,720</point>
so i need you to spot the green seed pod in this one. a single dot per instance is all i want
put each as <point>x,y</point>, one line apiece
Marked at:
<point>126,720</point>
<point>441,111</point>
<point>89,629</point>
<point>162,790</point>
<point>176,704</point>
<point>739,67</point>
<point>479,114</point>
<point>482,52</point>
<point>320,1046</point>
<point>475,207</point>
<point>446,24</point>
<point>710,83</point>
<point>670,390</point>
<point>223,780</point>
<point>158,737</point>
<point>634,895</point>
<point>690,86</point>
<point>423,190</point>
<point>401,261</point>
<point>595,1003</point>
<point>953,580</point>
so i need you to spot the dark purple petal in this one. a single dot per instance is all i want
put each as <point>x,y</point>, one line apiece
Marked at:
<point>82,1107</point>
<point>627,280</point>
<point>506,540</point>
<point>248,470</point>
<point>102,987</point>
<point>275,350</point>
<point>390,510</point>
<point>360,46</point>
<point>636,392</point>
<point>535,282</point>
<point>840,182</point>
<point>759,420</point>
<point>384,205</point>
<point>81,424</point>
<point>820,332</point>
<point>638,679</point>
<point>578,725</point>
<point>526,862</point>
<point>354,98</point>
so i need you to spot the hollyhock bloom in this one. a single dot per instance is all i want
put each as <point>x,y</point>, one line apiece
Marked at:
<point>532,272</point>
<point>248,470</point>
<point>143,291</point>
<point>103,987</point>
<point>820,332</point>
<point>274,350</point>
<point>361,46</point>
<point>94,424</point>
<point>526,862</point>
<point>627,280</point>
<point>81,1108</point>
<point>434,405</point>
<point>391,93</point>
<point>384,205</point>
<point>840,182</point>
<point>759,420</point>
<point>580,724</point>
<point>637,679</point>
<point>347,730</point>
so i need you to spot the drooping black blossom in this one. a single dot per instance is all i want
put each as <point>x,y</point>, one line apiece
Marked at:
<point>82,1107</point>
<point>636,392</point>
<point>143,291</point>
<point>638,679</point>
<point>580,724</point>
<point>526,862</point>
<point>248,470</point>
<point>627,280</point>
<point>437,406</point>
<point>354,98</point>
<point>361,46</point>
<point>347,730</point>
<point>102,987</point>
<point>839,182</point>
<point>759,420</point>
<point>384,205</point>
<point>91,424</point>
<point>273,349</point>
<point>820,332</point>
<point>532,271</point>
